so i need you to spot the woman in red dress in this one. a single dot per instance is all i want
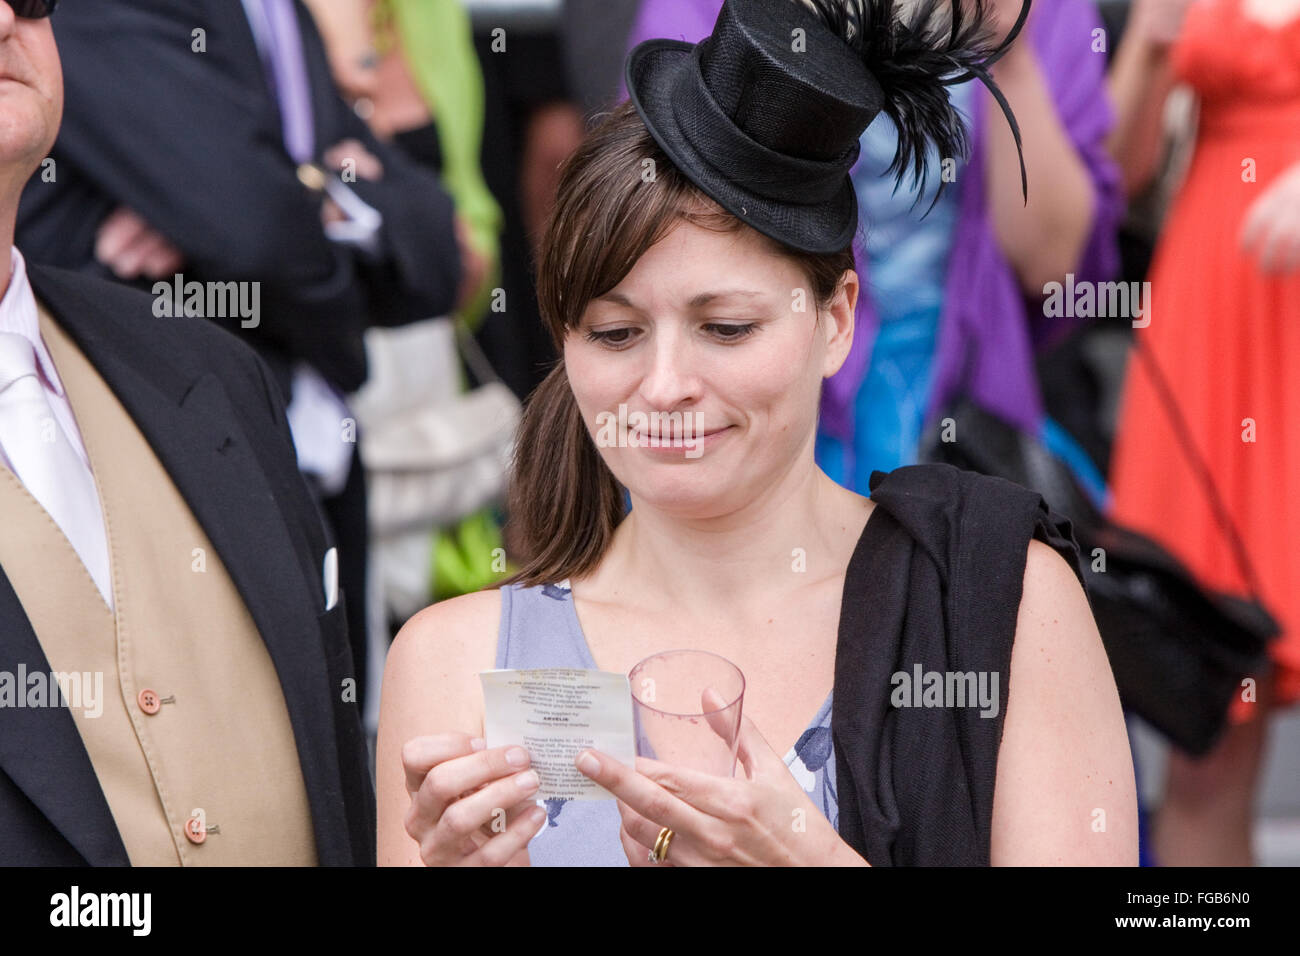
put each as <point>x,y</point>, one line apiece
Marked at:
<point>1224,333</point>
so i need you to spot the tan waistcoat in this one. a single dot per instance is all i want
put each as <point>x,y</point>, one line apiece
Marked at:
<point>219,744</point>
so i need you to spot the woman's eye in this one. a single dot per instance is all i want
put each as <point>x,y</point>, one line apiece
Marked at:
<point>611,336</point>
<point>730,331</point>
<point>723,331</point>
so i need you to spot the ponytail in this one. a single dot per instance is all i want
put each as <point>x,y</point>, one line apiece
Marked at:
<point>563,501</point>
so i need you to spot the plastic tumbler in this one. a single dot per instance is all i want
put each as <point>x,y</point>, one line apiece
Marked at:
<point>686,710</point>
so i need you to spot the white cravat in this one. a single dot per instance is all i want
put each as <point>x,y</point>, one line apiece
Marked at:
<point>45,461</point>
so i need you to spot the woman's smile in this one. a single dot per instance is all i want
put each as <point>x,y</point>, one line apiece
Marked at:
<point>676,444</point>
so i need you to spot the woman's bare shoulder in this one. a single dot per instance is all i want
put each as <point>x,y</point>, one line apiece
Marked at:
<point>453,637</point>
<point>1065,791</point>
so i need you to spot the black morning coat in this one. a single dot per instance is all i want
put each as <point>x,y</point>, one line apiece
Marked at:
<point>183,128</point>
<point>935,580</point>
<point>208,407</point>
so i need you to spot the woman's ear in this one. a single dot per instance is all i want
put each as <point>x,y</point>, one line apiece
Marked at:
<point>839,325</point>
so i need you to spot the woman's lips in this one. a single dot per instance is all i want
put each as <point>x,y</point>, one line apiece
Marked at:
<point>676,443</point>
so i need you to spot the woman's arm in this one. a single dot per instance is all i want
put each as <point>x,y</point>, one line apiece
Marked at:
<point>1140,81</point>
<point>1065,791</point>
<point>430,687</point>
<point>1044,238</point>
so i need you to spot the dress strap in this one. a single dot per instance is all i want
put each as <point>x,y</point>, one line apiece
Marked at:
<point>540,628</point>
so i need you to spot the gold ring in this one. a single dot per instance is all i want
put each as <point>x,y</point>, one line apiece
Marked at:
<point>660,851</point>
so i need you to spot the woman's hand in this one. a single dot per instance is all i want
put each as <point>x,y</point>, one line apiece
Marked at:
<point>764,820</point>
<point>1272,227</point>
<point>470,806</point>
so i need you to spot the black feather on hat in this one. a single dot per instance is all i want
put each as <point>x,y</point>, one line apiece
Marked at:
<point>765,114</point>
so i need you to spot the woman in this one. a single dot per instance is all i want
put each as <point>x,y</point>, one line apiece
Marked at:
<point>701,283</point>
<point>1209,404</point>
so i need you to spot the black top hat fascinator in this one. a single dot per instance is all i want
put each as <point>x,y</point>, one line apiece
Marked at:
<point>764,115</point>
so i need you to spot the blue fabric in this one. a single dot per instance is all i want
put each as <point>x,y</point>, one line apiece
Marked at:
<point>890,403</point>
<point>1062,444</point>
<point>1146,852</point>
<point>540,628</point>
<point>907,258</point>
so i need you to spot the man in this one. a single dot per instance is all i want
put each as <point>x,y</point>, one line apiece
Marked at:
<point>207,138</point>
<point>175,673</point>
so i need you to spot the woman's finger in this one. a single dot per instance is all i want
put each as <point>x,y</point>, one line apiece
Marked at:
<point>722,719</point>
<point>447,781</point>
<point>520,858</point>
<point>422,754</point>
<point>504,847</point>
<point>756,755</point>
<point>497,824</point>
<point>486,808</point>
<point>640,793</point>
<point>435,852</point>
<point>462,775</point>
<point>466,826</point>
<point>644,834</point>
<point>720,797</point>
<point>636,854</point>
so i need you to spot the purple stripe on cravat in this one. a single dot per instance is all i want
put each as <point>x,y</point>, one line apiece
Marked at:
<point>292,87</point>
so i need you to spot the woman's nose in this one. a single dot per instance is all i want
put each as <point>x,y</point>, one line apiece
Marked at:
<point>669,380</point>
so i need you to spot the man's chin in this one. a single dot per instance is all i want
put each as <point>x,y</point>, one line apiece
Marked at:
<point>22,145</point>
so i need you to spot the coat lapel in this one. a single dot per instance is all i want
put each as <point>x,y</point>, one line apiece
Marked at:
<point>188,420</point>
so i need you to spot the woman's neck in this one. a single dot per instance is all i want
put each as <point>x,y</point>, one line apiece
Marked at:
<point>800,532</point>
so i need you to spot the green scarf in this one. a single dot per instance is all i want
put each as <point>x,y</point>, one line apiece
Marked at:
<point>438,40</point>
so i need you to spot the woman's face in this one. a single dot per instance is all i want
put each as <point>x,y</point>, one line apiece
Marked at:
<point>711,344</point>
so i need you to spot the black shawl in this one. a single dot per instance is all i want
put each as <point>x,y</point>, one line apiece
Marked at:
<point>935,581</point>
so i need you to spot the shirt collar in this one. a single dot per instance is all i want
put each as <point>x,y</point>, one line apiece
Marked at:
<point>18,314</point>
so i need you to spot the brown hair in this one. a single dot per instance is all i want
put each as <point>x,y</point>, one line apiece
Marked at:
<point>564,502</point>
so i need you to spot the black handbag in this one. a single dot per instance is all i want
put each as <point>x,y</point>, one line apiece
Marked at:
<point>1178,650</point>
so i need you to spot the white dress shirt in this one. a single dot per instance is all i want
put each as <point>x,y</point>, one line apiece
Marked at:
<point>18,315</point>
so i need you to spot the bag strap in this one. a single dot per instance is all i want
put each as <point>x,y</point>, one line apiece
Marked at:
<point>472,353</point>
<point>1183,433</point>
<point>1202,471</point>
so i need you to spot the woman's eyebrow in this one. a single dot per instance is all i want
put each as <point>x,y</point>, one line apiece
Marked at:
<point>702,298</point>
